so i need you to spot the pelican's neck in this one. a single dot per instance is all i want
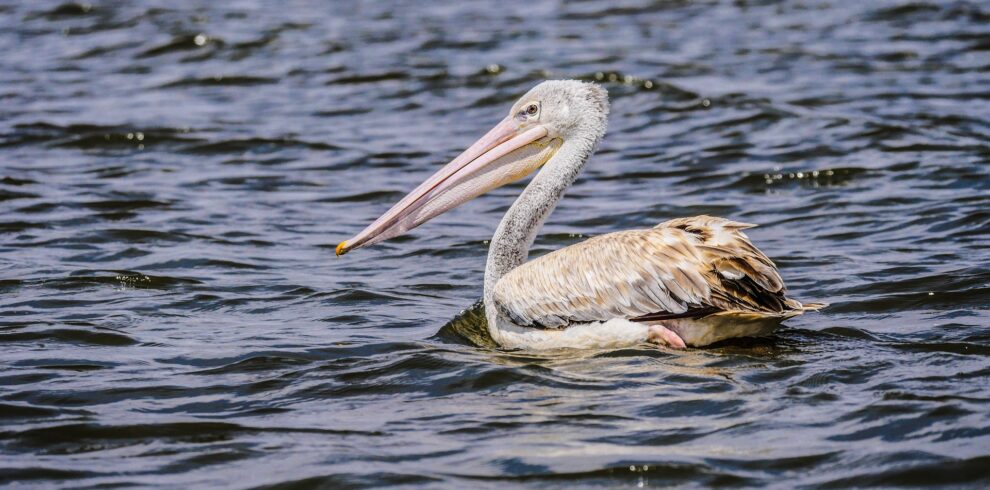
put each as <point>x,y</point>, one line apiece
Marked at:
<point>515,234</point>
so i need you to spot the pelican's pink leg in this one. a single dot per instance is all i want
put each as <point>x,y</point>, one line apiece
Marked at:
<point>662,335</point>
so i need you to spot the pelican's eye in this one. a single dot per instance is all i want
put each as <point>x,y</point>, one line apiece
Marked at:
<point>528,112</point>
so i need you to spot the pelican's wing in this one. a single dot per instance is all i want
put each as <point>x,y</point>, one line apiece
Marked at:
<point>683,267</point>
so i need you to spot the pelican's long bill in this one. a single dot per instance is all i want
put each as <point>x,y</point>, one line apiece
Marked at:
<point>510,151</point>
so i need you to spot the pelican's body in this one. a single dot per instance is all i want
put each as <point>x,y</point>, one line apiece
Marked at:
<point>689,281</point>
<point>701,278</point>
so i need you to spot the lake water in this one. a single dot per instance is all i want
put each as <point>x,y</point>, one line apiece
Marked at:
<point>174,178</point>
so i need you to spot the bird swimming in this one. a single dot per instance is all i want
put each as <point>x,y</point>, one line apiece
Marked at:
<point>685,282</point>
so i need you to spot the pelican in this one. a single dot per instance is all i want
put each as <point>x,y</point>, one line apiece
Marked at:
<point>685,282</point>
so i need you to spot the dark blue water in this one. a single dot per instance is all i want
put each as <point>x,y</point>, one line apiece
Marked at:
<point>174,178</point>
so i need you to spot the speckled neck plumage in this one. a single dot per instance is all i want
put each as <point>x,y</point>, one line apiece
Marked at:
<point>515,234</point>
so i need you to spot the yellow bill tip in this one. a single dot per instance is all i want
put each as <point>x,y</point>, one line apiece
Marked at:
<point>342,248</point>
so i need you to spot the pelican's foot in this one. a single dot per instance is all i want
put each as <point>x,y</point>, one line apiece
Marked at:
<point>661,335</point>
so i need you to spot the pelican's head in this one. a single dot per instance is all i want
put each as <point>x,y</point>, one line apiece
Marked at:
<point>551,114</point>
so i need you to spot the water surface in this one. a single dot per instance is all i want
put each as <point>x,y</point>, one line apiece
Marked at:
<point>173,180</point>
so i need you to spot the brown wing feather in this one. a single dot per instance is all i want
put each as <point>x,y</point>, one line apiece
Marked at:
<point>680,268</point>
